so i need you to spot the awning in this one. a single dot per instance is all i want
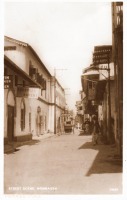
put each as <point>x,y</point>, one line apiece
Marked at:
<point>91,72</point>
<point>19,71</point>
<point>92,75</point>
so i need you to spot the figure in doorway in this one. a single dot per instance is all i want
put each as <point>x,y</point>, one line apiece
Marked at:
<point>95,130</point>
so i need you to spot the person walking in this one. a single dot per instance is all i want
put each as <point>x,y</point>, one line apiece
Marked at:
<point>95,130</point>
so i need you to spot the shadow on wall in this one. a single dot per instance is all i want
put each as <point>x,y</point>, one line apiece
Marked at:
<point>106,160</point>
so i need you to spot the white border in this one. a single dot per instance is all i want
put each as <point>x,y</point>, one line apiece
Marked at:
<point>74,197</point>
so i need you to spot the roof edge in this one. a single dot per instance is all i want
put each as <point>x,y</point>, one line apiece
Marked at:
<point>31,49</point>
<point>16,41</point>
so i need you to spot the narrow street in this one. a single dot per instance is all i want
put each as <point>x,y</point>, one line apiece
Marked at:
<point>66,164</point>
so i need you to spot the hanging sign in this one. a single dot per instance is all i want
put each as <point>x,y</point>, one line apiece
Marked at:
<point>28,92</point>
<point>8,82</point>
<point>102,54</point>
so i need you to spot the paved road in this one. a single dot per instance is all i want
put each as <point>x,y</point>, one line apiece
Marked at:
<point>66,164</point>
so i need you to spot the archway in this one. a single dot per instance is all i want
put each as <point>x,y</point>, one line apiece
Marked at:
<point>10,116</point>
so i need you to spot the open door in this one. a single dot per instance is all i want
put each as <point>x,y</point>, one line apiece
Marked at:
<point>10,124</point>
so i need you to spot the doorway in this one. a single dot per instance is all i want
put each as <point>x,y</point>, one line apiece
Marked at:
<point>10,123</point>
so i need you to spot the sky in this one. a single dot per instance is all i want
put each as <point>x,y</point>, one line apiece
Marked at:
<point>63,34</point>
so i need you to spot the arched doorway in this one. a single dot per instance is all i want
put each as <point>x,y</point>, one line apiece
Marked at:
<point>22,115</point>
<point>10,114</point>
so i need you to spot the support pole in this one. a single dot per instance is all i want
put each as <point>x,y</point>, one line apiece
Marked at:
<point>109,106</point>
<point>54,101</point>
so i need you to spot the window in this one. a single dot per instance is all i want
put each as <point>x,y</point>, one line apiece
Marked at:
<point>80,108</point>
<point>69,122</point>
<point>41,92</point>
<point>90,84</point>
<point>45,90</point>
<point>119,8</point>
<point>22,116</point>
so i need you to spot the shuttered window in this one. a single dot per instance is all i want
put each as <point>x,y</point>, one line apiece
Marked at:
<point>22,116</point>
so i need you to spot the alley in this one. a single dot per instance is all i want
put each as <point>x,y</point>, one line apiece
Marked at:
<point>66,164</point>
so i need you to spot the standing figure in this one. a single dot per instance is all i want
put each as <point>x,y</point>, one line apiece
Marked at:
<point>95,130</point>
<point>86,126</point>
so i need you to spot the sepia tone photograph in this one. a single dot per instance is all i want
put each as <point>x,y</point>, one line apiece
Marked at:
<point>63,98</point>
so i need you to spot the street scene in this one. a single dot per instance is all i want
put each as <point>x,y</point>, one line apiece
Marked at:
<point>63,98</point>
<point>66,164</point>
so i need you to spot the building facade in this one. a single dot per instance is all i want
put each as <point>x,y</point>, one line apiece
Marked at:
<point>109,88</point>
<point>28,93</point>
<point>117,46</point>
<point>59,108</point>
<point>95,84</point>
<point>89,80</point>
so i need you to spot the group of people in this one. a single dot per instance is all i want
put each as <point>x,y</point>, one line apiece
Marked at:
<point>93,127</point>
